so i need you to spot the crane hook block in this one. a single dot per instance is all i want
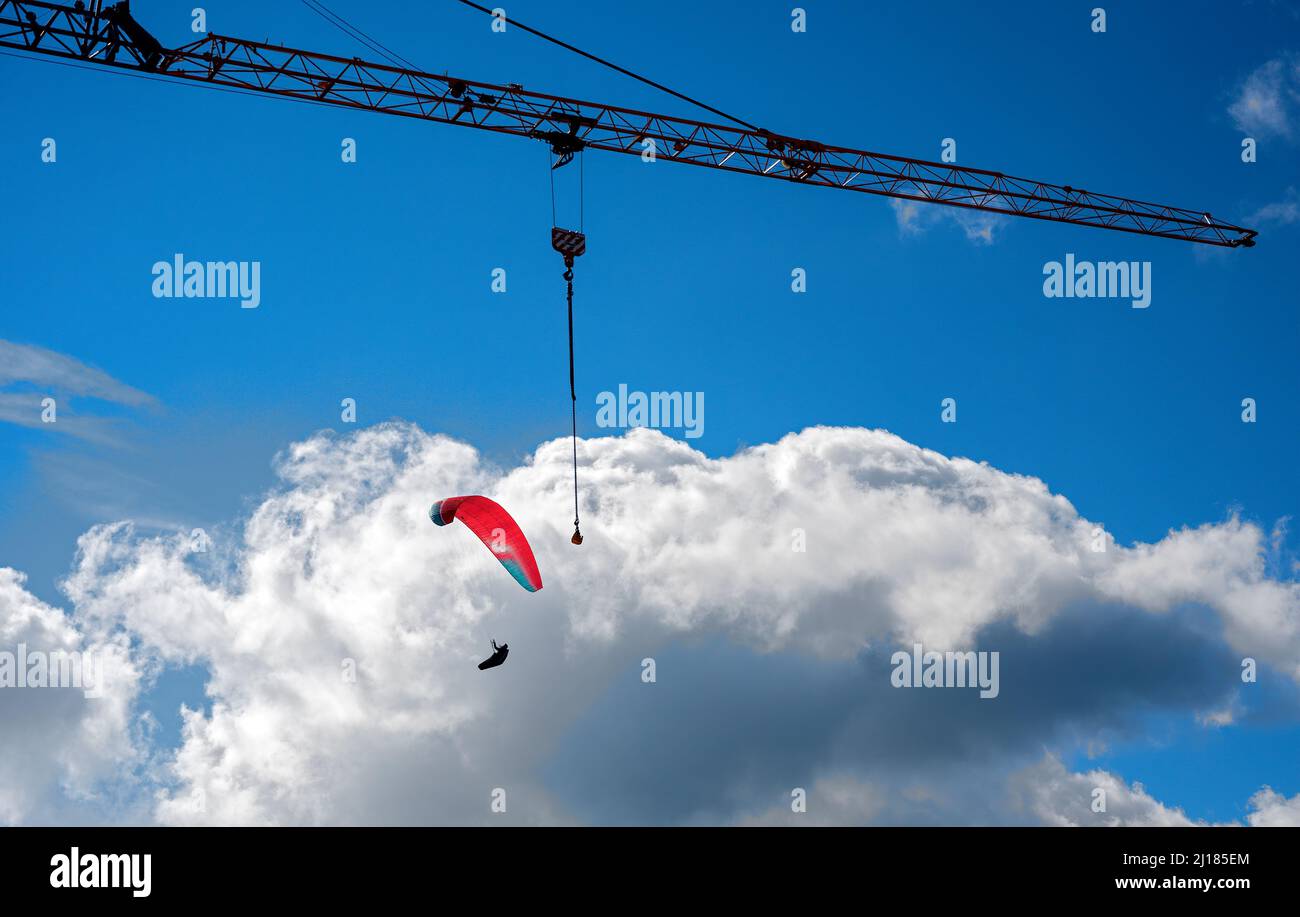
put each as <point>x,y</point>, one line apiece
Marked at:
<point>568,243</point>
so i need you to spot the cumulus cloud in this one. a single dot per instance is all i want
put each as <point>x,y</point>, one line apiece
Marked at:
<point>1273,810</point>
<point>1044,793</point>
<point>1057,796</point>
<point>1267,100</point>
<point>61,745</point>
<point>839,800</point>
<point>341,631</point>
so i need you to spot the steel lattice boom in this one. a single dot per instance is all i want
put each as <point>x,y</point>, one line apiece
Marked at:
<point>110,37</point>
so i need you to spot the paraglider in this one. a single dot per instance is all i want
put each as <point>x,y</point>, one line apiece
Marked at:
<point>496,529</point>
<point>503,537</point>
<point>499,654</point>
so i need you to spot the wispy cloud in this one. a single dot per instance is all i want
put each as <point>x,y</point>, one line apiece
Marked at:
<point>1279,213</point>
<point>62,373</point>
<point>26,409</point>
<point>35,373</point>
<point>1268,100</point>
<point>915,218</point>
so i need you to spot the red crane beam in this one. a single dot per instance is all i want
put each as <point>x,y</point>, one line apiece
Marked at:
<point>110,37</point>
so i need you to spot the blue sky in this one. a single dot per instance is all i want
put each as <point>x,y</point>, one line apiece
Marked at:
<point>376,275</point>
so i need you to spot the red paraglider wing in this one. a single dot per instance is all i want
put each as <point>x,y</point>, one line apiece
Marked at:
<point>496,529</point>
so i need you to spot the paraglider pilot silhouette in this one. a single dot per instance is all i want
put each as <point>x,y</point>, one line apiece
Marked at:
<point>499,654</point>
<point>503,537</point>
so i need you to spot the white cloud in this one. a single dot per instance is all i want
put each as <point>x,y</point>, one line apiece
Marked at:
<point>342,563</point>
<point>1282,212</point>
<point>916,218</point>
<point>1044,793</point>
<point>1058,797</point>
<point>840,800</point>
<point>1222,566</point>
<point>62,373</point>
<point>60,746</point>
<point>1216,719</point>
<point>27,409</point>
<point>1273,810</point>
<point>42,373</point>
<point>1268,98</point>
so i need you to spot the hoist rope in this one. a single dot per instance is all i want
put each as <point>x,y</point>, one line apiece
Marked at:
<point>573,388</point>
<point>550,170</point>
<point>573,394</point>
